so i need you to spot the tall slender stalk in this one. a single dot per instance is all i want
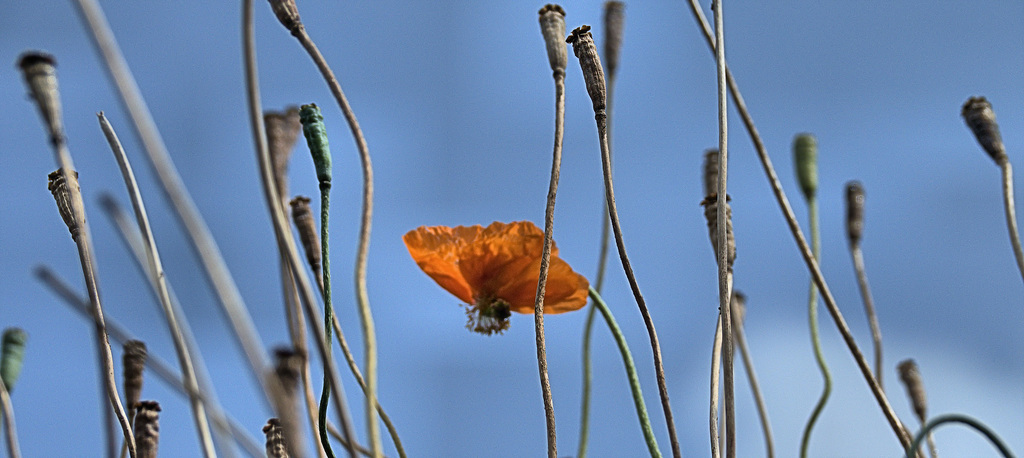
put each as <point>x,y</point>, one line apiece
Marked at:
<point>634,380</point>
<point>738,313</point>
<point>722,249</point>
<point>552,26</point>
<point>584,48</point>
<point>156,270</point>
<point>614,21</point>
<point>289,17</point>
<point>282,231</point>
<point>199,236</point>
<point>160,368</point>
<point>801,241</point>
<point>854,231</point>
<point>805,157</point>
<point>12,354</point>
<point>10,430</point>
<point>41,77</point>
<point>716,371</point>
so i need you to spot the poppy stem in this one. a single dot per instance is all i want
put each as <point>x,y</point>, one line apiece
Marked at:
<point>912,449</point>
<point>634,379</point>
<point>584,48</point>
<point>855,200</point>
<point>801,241</point>
<point>716,369</point>
<point>738,312</point>
<point>819,356</point>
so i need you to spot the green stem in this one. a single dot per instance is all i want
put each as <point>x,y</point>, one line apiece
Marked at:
<point>812,304</point>
<point>325,204</point>
<point>581,451</point>
<point>634,380</point>
<point>958,418</point>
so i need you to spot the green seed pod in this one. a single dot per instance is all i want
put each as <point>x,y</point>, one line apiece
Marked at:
<point>805,156</point>
<point>316,137</point>
<point>13,351</point>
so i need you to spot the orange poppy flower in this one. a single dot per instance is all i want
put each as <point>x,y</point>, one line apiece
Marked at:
<point>495,271</point>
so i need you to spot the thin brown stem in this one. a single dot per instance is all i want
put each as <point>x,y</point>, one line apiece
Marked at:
<point>158,366</point>
<point>549,225</point>
<point>1009,209</point>
<point>282,231</point>
<point>869,308</point>
<point>755,387</point>
<point>801,241</point>
<point>158,278</point>
<point>199,236</point>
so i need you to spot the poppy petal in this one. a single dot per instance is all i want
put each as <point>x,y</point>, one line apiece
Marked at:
<point>435,250</point>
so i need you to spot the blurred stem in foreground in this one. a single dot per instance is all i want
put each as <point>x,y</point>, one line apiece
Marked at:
<point>854,230</point>
<point>912,450</point>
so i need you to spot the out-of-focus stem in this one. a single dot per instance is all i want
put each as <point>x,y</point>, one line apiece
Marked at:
<point>748,365</point>
<point>914,447</point>
<point>10,430</point>
<point>716,370</point>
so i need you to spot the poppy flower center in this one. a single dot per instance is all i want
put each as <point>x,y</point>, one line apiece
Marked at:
<point>488,315</point>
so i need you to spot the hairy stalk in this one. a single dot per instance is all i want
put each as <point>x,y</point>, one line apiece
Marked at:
<point>583,46</point>
<point>160,368</point>
<point>614,19</point>
<point>738,312</point>
<point>914,447</point>
<point>552,26</point>
<point>716,370</point>
<point>854,231</point>
<point>801,241</point>
<point>40,75</point>
<point>291,21</point>
<point>10,430</point>
<point>282,231</point>
<point>634,380</point>
<point>199,236</point>
<point>722,248</point>
<point>158,277</point>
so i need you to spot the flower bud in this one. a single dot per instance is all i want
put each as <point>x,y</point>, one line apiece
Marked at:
<point>552,27</point>
<point>805,156</point>
<point>316,137</point>
<point>585,49</point>
<point>13,355</point>
<point>980,118</point>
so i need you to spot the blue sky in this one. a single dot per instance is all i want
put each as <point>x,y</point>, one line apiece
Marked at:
<point>457,105</point>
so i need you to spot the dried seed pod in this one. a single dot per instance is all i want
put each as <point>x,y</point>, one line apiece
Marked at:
<point>282,131</point>
<point>147,429</point>
<point>288,14</point>
<point>302,216</point>
<point>805,156</point>
<point>275,439</point>
<point>710,172</point>
<point>134,362</point>
<point>288,373</point>
<point>552,27</point>
<point>13,355</point>
<point>977,113</point>
<point>710,204</point>
<point>854,211</point>
<point>585,49</point>
<point>911,378</point>
<point>614,19</point>
<point>40,72</point>
<point>62,194</point>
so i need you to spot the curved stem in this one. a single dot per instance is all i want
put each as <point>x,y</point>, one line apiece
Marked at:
<point>159,280</point>
<point>634,380</point>
<point>869,308</point>
<point>1011,217</point>
<point>545,259</point>
<point>819,356</point>
<point>601,118</point>
<point>912,450</point>
<point>282,231</point>
<point>362,251</point>
<point>325,396</point>
<point>801,241</point>
<point>581,451</point>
